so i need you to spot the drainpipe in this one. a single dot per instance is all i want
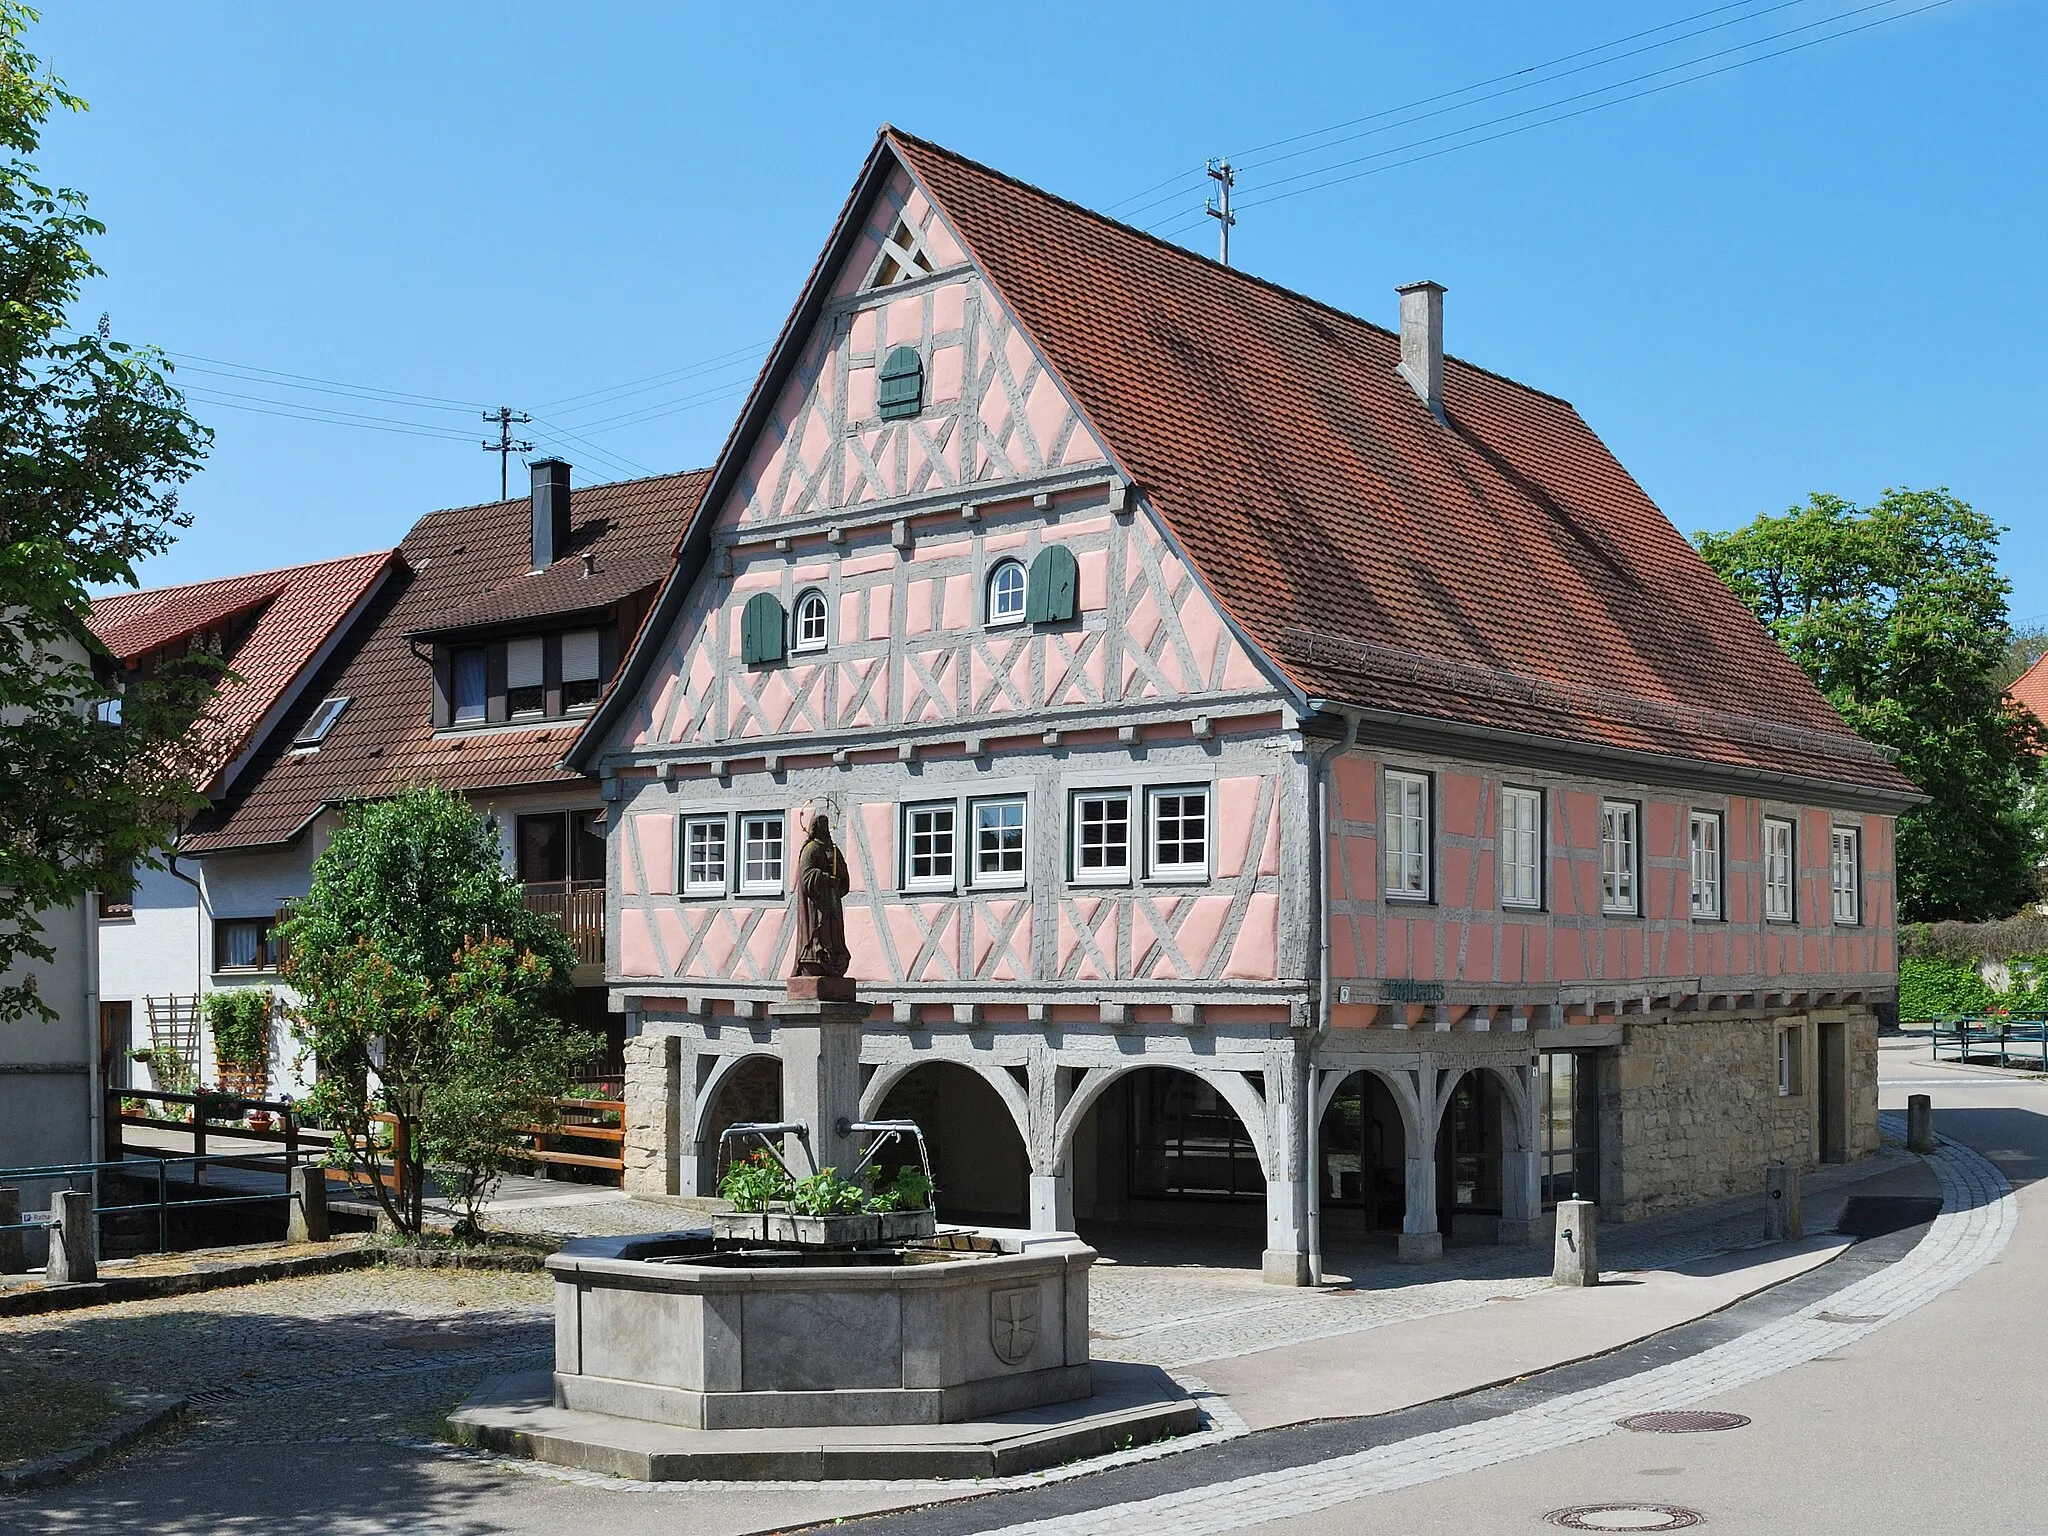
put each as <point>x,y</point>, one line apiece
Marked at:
<point>96,1099</point>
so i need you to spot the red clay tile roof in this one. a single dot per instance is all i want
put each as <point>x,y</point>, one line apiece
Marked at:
<point>296,610</point>
<point>454,560</point>
<point>1500,568</point>
<point>2030,689</point>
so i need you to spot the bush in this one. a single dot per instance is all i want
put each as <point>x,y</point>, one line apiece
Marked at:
<point>240,1024</point>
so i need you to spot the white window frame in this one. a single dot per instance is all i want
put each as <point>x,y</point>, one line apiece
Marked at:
<point>1845,875</point>
<point>1621,878</point>
<point>690,884</point>
<point>1779,901</point>
<point>932,880</point>
<point>999,880</point>
<point>1791,1061</point>
<point>996,619</point>
<point>811,600</point>
<point>762,885</point>
<point>1705,860</point>
<point>1521,879</point>
<point>1077,873</point>
<point>1405,835</point>
<point>1177,873</point>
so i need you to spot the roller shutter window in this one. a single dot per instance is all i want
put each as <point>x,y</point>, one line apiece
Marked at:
<point>582,669</point>
<point>525,677</point>
<point>761,630</point>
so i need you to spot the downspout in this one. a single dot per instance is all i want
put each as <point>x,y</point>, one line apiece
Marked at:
<point>96,1098</point>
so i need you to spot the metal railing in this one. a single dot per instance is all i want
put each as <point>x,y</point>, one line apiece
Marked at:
<point>138,1168</point>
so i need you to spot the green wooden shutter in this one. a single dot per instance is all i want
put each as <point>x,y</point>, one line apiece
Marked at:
<point>761,629</point>
<point>899,391</point>
<point>1053,591</point>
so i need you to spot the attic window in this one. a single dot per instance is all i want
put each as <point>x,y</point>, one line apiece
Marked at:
<point>315,730</point>
<point>900,388</point>
<point>903,257</point>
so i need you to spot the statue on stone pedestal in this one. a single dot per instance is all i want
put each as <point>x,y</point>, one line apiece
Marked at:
<point>821,886</point>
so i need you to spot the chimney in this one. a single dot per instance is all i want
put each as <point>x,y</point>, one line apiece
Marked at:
<point>1422,342</point>
<point>550,511</point>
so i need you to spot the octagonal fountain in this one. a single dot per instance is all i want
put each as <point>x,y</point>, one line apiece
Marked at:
<point>775,1345</point>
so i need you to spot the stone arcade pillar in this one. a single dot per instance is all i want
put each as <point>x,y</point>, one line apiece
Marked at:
<point>1052,1180</point>
<point>1285,1261</point>
<point>655,1129</point>
<point>819,1041</point>
<point>1521,1195</point>
<point>1420,1242</point>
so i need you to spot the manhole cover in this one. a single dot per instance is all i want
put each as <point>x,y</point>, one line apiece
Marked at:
<point>1626,1517</point>
<point>1691,1421</point>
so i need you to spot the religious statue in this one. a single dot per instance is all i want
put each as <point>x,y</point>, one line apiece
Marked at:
<point>821,886</point>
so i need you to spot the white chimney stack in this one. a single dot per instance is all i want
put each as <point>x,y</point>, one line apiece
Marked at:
<point>1422,342</point>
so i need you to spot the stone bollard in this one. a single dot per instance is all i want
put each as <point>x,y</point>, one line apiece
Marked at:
<point>306,1221</point>
<point>1781,1204</point>
<point>71,1255</point>
<point>1576,1257</point>
<point>1920,1123</point>
<point>13,1251</point>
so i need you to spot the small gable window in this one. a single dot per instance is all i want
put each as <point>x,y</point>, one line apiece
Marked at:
<point>900,388</point>
<point>903,257</point>
<point>810,622</point>
<point>316,729</point>
<point>1006,593</point>
<point>761,630</point>
<point>1055,586</point>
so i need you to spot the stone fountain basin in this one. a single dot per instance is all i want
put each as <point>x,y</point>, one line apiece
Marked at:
<point>667,1330</point>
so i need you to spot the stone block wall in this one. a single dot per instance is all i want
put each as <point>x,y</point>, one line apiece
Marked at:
<point>653,1114</point>
<point>1700,1115</point>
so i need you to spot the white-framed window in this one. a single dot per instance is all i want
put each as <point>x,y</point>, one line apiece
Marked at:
<point>761,853</point>
<point>1843,882</point>
<point>1405,828</point>
<point>1791,1059</point>
<point>1521,847</point>
<point>525,677</point>
<point>1705,841</point>
<point>807,628</point>
<point>999,842</point>
<point>704,857</point>
<point>1101,820</point>
<point>1006,593</point>
<point>930,845</point>
<point>1618,857</point>
<point>1179,845</point>
<point>471,686</point>
<point>1777,870</point>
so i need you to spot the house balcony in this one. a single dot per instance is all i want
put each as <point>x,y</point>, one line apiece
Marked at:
<point>577,908</point>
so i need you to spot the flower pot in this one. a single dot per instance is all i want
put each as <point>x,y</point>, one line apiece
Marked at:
<point>846,1231</point>
<point>740,1226</point>
<point>903,1226</point>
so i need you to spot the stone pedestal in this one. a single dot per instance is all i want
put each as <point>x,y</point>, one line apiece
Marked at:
<point>307,1218</point>
<point>1920,1124</point>
<point>71,1255</point>
<point>820,1041</point>
<point>1781,1204</point>
<point>1576,1259</point>
<point>1419,1247</point>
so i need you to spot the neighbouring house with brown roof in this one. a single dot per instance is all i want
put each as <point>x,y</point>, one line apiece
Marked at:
<point>1288,777</point>
<point>467,657</point>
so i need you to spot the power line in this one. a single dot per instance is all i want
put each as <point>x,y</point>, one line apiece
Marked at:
<point>506,445</point>
<point>656,380</point>
<point>306,379</point>
<point>365,423</point>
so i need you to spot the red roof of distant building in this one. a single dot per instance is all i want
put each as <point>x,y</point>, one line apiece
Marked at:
<point>291,616</point>
<point>2030,689</point>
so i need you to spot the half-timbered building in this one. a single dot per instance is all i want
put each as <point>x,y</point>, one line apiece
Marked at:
<point>1289,777</point>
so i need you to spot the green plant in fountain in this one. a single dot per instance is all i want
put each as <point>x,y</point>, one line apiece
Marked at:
<point>825,1193</point>
<point>909,1190</point>
<point>754,1183</point>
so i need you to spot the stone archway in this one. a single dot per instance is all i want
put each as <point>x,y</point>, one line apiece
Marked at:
<point>735,1089</point>
<point>1482,1146</point>
<point>1366,1134</point>
<point>972,1131</point>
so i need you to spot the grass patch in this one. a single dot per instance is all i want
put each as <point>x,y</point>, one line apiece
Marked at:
<point>47,1413</point>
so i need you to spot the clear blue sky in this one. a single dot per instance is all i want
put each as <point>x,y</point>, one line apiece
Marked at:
<point>1819,271</point>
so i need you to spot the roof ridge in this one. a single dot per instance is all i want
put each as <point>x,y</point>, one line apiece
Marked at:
<point>1209,262</point>
<point>215,581</point>
<point>594,485</point>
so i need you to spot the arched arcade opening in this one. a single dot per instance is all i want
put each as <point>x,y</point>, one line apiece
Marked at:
<point>979,1162</point>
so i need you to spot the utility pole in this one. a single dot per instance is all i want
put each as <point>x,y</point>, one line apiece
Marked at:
<point>506,445</point>
<point>1225,178</point>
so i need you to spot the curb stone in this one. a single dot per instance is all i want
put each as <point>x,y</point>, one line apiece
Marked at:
<point>34,1301</point>
<point>148,1412</point>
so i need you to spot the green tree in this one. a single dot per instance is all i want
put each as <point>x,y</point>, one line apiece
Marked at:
<point>428,992</point>
<point>93,444</point>
<point>1897,612</point>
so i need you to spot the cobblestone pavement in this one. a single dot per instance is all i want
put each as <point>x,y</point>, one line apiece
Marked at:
<point>1978,1217</point>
